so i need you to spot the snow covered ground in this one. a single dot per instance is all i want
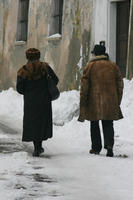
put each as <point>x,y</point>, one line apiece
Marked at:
<point>66,171</point>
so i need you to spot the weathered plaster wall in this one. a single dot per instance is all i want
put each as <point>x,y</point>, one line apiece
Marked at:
<point>7,36</point>
<point>101,21</point>
<point>105,25</point>
<point>67,55</point>
<point>104,28</point>
<point>129,73</point>
<point>74,45</point>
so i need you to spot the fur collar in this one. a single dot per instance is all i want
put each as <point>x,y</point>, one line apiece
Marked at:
<point>33,70</point>
<point>102,57</point>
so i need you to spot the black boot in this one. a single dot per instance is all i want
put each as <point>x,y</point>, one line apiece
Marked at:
<point>37,148</point>
<point>36,152</point>
<point>41,149</point>
<point>110,153</point>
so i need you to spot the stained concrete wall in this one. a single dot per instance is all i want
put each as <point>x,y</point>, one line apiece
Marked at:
<point>67,55</point>
<point>104,20</point>
<point>7,30</point>
<point>101,21</point>
<point>104,15</point>
<point>129,72</point>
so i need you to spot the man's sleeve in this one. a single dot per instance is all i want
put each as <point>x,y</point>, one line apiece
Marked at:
<point>84,91</point>
<point>120,84</point>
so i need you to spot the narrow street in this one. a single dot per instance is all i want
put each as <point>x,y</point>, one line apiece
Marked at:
<point>9,141</point>
<point>66,171</point>
<point>22,175</point>
<point>68,38</point>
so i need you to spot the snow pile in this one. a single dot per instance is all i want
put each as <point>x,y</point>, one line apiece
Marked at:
<point>11,108</point>
<point>124,127</point>
<point>55,36</point>
<point>127,102</point>
<point>66,107</point>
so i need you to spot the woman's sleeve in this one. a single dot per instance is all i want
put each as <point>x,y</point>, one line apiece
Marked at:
<point>20,86</point>
<point>53,75</point>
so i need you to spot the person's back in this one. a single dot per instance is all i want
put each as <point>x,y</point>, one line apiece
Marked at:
<point>100,98</point>
<point>103,103</point>
<point>32,83</point>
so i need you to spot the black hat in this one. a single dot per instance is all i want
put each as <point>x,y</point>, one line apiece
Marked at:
<point>98,50</point>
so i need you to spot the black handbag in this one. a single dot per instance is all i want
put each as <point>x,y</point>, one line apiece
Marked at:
<point>52,88</point>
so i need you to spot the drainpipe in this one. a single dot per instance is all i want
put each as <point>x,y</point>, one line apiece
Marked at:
<point>129,70</point>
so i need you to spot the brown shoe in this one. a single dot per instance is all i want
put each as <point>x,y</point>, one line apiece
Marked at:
<point>93,152</point>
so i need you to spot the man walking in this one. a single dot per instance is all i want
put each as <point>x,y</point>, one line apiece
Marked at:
<point>100,98</point>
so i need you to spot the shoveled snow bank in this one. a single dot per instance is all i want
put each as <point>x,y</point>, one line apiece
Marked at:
<point>124,127</point>
<point>64,108</point>
<point>11,108</point>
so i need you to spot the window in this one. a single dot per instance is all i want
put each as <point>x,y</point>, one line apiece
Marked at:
<point>22,28</point>
<point>56,21</point>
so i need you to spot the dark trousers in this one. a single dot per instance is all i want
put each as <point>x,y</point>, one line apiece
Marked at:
<point>108,133</point>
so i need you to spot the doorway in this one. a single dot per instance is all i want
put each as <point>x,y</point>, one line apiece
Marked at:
<point>122,26</point>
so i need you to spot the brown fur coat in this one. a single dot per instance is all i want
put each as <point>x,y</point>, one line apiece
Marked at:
<point>101,91</point>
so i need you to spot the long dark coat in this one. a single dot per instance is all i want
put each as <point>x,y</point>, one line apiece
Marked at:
<point>101,91</point>
<point>32,83</point>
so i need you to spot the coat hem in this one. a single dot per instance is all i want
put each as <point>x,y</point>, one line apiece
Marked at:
<point>31,140</point>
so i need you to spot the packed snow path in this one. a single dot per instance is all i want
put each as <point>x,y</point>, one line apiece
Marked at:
<point>66,171</point>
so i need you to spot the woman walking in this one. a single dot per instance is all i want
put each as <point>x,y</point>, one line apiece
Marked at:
<point>32,83</point>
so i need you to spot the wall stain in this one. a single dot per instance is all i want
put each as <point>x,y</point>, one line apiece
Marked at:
<point>73,71</point>
<point>63,55</point>
<point>77,21</point>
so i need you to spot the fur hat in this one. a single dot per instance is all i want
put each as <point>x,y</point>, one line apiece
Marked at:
<point>98,50</point>
<point>32,54</point>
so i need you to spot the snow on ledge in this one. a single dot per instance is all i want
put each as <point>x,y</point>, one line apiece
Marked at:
<point>56,36</point>
<point>19,43</point>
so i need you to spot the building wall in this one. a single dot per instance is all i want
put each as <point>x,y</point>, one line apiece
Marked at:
<point>105,25</point>
<point>8,17</point>
<point>66,54</point>
<point>105,14</point>
<point>129,72</point>
<point>101,21</point>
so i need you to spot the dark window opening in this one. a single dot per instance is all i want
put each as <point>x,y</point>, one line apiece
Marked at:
<point>22,29</point>
<point>57,13</point>
<point>123,12</point>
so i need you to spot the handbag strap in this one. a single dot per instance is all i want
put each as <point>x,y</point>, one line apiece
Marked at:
<point>46,69</point>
